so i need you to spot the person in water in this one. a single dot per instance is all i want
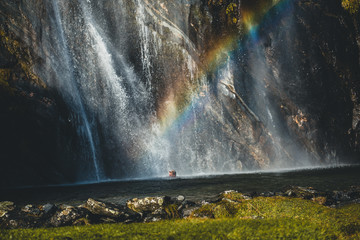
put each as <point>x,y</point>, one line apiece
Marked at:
<point>172,173</point>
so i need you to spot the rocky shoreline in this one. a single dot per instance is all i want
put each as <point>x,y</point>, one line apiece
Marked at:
<point>152,209</point>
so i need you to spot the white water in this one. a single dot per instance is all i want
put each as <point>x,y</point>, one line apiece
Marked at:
<point>68,85</point>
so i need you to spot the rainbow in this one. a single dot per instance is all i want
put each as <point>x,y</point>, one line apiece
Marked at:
<point>178,108</point>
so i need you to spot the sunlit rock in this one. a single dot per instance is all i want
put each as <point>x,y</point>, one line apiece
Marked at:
<point>148,204</point>
<point>106,211</point>
<point>6,207</point>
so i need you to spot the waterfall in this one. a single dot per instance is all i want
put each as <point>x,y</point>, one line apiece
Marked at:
<point>164,116</point>
<point>152,99</point>
<point>144,34</point>
<point>69,86</point>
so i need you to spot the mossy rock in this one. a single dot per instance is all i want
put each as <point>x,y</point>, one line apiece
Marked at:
<point>172,211</point>
<point>234,196</point>
<point>148,204</point>
<point>225,209</point>
<point>4,81</point>
<point>205,211</point>
<point>23,56</point>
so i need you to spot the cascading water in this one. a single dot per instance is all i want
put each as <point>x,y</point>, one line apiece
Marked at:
<point>68,87</point>
<point>154,129</point>
<point>151,99</point>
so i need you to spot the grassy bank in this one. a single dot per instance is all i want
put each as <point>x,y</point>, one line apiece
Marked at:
<point>259,218</point>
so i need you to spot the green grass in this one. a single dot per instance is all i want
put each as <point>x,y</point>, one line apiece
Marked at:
<point>259,218</point>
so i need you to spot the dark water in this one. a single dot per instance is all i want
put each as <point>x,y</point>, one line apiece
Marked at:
<point>197,188</point>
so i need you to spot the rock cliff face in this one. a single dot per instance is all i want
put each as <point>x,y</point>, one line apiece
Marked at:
<point>92,91</point>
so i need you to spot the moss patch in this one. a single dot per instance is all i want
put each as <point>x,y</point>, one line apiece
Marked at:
<point>22,55</point>
<point>4,81</point>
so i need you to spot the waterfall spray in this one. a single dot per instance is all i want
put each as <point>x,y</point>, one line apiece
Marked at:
<point>73,90</point>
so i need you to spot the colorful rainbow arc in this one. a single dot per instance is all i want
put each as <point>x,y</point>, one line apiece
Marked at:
<point>171,118</point>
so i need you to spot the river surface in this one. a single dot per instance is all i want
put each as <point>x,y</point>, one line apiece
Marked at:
<point>193,188</point>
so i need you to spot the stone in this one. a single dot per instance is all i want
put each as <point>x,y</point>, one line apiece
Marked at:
<point>6,207</point>
<point>48,208</point>
<point>187,212</point>
<point>204,202</point>
<point>148,204</point>
<point>100,208</point>
<point>156,208</point>
<point>202,212</point>
<point>2,213</point>
<point>341,196</point>
<point>180,198</point>
<point>107,212</point>
<point>31,210</point>
<point>185,205</point>
<point>68,215</point>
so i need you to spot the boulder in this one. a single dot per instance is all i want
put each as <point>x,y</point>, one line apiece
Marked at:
<point>100,208</point>
<point>48,208</point>
<point>32,211</point>
<point>106,212</point>
<point>148,204</point>
<point>6,207</point>
<point>186,208</point>
<point>187,212</point>
<point>153,209</point>
<point>69,215</point>
<point>29,216</point>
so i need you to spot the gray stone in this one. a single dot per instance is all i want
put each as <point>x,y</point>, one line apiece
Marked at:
<point>186,212</point>
<point>180,198</point>
<point>49,208</point>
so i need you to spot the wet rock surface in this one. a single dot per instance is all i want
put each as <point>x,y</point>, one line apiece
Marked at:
<point>152,209</point>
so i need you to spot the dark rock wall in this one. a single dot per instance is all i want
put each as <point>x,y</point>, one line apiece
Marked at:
<point>38,143</point>
<point>310,76</point>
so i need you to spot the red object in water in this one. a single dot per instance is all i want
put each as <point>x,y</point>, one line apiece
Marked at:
<point>172,173</point>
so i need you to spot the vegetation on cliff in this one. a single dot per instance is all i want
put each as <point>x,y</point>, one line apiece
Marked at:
<point>23,56</point>
<point>351,5</point>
